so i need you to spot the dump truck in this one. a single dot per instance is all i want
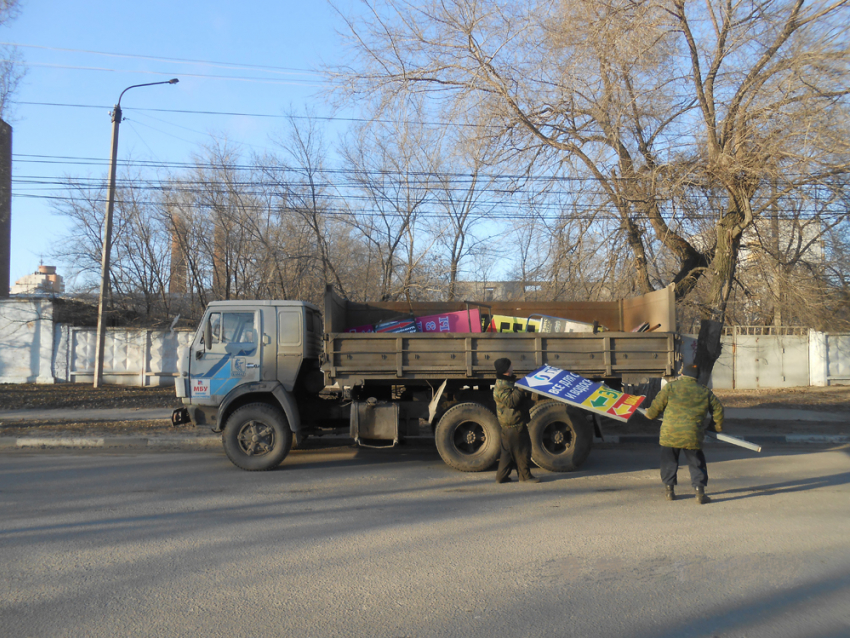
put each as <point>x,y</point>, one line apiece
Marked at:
<point>269,374</point>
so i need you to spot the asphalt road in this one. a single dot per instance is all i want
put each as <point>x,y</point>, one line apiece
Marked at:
<point>346,542</point>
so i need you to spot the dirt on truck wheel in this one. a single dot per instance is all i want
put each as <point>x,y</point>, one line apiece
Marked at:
<point>559,442</point>
<point>257,437</point>
<point>468,437</point>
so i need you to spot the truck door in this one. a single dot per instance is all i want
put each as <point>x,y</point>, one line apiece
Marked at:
<point>232,358</point>
<point>290,345</point>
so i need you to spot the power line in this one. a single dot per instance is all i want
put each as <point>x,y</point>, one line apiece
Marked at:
<point>547,212</point>
<point>328,118</point>
<point>289,170</point>
<point>206,76</point>
<point>226,65</point>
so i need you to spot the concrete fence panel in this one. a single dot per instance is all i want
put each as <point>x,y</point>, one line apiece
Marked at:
<point>26,341</point>
<point>837,348</point>
<point>136,357</point>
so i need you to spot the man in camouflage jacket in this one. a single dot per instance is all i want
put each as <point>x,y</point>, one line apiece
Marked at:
<point>684,404</point>
<point>512,409</point>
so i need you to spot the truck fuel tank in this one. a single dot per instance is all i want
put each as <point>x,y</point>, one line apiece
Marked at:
<point>374,421</point>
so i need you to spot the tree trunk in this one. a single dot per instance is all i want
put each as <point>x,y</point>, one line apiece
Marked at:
<point>722,277</point>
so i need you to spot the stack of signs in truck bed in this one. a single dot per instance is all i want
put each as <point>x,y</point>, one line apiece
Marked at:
<point>459,321</point>
<point>574,389</point>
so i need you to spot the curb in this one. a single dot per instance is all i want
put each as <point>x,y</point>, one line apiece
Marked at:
<point>766,439</point>
<point>162,442</point>
<point>165,442</point>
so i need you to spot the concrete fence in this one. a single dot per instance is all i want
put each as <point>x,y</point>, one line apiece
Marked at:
<point>35,350</point>
<point>764,357</point>
<point>130,357</point>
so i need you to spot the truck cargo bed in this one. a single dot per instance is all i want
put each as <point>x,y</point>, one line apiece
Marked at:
<point>356,358</point>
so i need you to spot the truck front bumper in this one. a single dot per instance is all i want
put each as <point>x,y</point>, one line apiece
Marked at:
<point>195,414</point>
<point>180,416</point>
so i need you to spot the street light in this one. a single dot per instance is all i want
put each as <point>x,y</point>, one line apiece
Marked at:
<point>107,234</point>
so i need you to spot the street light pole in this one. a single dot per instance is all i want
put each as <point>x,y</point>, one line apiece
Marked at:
<point>107,234</point>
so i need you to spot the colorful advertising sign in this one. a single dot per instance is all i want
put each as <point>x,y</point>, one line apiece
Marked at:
<point>557,324</point>
<point>503,323</point>
<point>459,321</point>
<point>574,389</point>
<point>398,325</point>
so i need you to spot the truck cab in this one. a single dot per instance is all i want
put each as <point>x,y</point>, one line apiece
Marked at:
<point>251,353</point>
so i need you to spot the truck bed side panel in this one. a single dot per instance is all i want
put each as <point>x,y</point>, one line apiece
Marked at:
<point>351,359</point>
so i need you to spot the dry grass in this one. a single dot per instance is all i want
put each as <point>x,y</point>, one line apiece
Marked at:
<point>97,428</point>
<point>828,399</point>
<point>79,396</point>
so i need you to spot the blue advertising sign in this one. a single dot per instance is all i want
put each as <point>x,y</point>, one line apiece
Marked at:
<point>571,388</point>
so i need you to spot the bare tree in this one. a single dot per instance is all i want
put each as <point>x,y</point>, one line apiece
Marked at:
<point>12,69</point>
<point>302,180</point>
<point>631,98</point>
<point>387,163</point>
<point>467,194</point>
<point>768,80</point>
<point>140,246</point>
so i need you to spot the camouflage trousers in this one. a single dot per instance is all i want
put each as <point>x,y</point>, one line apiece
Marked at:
<point>515,453</point>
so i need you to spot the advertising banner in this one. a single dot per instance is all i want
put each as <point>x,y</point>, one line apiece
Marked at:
<point>503,323</point>
<point>558,324</point>
<point>398,325</point>
<point>574,389</point>
<point>460,321</point>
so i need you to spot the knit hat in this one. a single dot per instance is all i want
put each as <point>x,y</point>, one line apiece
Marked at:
<point>502,366</point>
<point>690,371</point>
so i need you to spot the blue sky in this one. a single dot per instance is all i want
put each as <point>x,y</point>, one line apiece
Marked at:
<point>252,58</point>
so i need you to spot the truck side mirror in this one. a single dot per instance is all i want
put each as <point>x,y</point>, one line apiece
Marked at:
<point>207,334</point>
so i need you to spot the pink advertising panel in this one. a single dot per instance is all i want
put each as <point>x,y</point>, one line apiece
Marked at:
<point>451,322</point>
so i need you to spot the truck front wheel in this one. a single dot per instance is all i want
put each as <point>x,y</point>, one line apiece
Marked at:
<point>467,437</point>
<point>559,443</point>
<point>257,437</point>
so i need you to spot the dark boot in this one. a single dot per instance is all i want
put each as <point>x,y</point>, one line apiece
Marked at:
<point>701,497</point>
<point>530,479</point>
<point>671,494</point>
<point>507,479</point>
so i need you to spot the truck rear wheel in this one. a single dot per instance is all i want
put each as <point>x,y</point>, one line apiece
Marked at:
<point>257,437</point>
<point>559,443</point>
<point>467,437</point>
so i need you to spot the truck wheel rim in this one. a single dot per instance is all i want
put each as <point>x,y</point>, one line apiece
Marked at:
<point>256,438</point>
<point>557,437</point>
<point>469,437</point>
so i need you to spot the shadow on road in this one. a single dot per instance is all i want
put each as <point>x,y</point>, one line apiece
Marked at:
<point>785,487</point>
<point>753,612</point>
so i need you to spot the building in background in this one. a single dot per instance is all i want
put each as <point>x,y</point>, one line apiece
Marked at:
<point>44,281</point>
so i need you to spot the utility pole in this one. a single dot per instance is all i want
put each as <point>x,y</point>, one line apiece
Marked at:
<point>107,235</point>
